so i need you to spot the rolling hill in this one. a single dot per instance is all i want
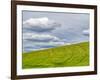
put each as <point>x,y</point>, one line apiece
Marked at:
<point>63,56</point>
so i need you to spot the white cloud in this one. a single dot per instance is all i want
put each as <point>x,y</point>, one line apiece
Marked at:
<point>41,24</point>
<point>86,32</point>
<point>40,37</point>
<point>33,41</point>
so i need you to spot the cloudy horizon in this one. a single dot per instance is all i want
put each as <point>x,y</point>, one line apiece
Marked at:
<point>46,30</point>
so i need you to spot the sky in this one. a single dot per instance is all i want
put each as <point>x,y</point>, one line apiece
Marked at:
<point>43,30</point>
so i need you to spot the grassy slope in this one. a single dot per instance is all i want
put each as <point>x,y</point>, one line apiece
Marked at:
<point>69,55</point>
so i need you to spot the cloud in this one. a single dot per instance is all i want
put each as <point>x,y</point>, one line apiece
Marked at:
<point>40,37</point>
<point>34,37</point>
<point>86,32</point>
<point>33,41</point>
<point>42,24</point>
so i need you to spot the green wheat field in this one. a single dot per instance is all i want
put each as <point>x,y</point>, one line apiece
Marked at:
<point>63,56</point>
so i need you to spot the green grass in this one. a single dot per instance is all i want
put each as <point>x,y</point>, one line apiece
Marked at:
<point>63,56</point>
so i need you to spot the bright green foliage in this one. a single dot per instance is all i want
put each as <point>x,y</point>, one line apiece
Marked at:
<point>63,56</point>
